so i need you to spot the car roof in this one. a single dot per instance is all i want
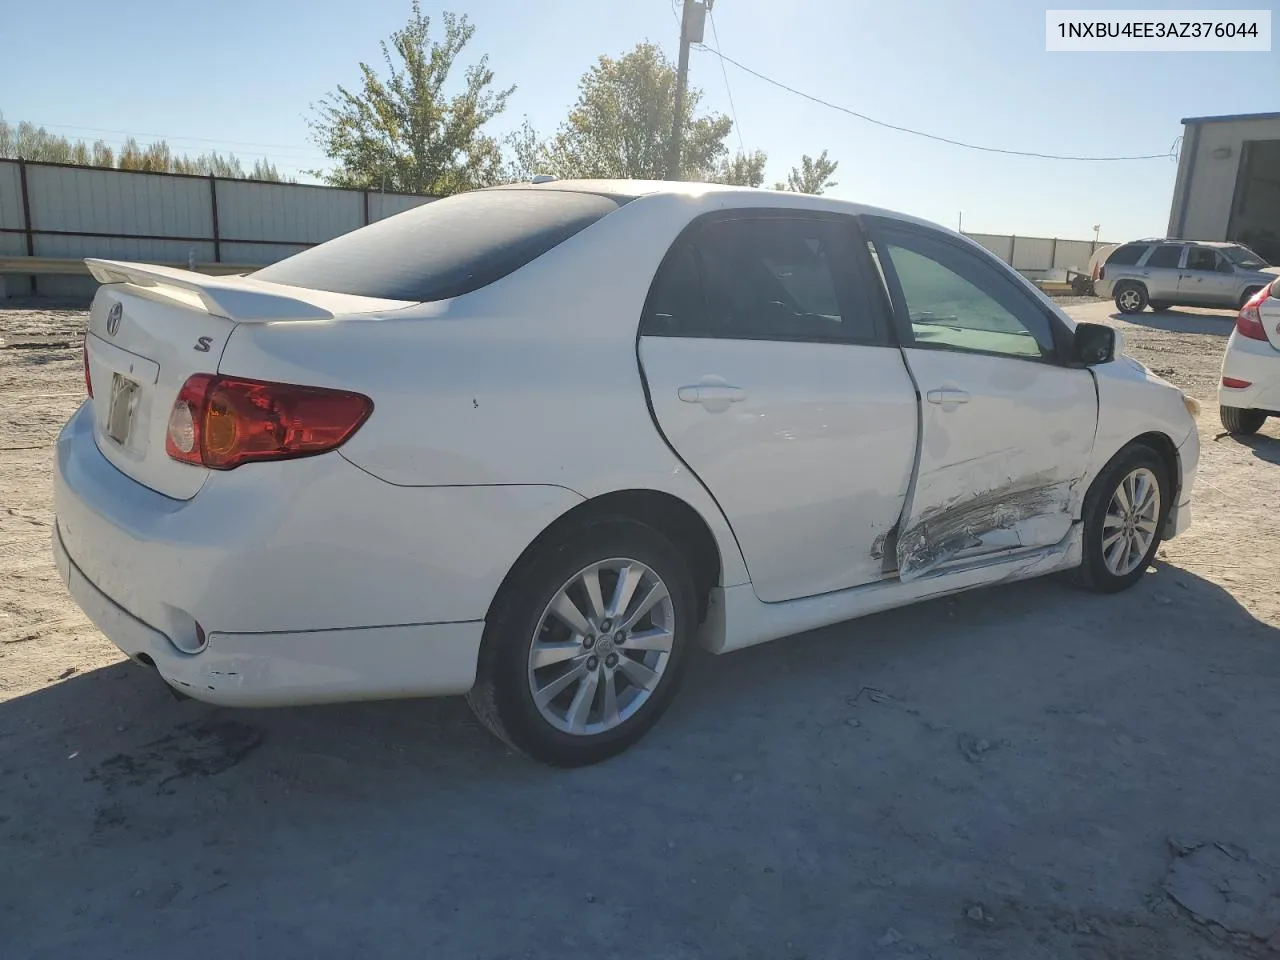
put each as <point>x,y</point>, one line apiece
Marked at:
<point>1183,242</point>
<point>716,196</point>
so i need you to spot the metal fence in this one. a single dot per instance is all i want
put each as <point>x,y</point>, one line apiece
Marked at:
<point>53,210</point>
<point>1038,256</point>
<point>60,210</point>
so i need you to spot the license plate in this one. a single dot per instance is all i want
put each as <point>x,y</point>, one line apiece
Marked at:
<point>124,398</point>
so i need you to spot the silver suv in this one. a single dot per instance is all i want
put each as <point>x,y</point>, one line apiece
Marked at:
<point>1183,273</point>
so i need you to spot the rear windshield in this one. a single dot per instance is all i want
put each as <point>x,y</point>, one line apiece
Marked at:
<point>444,248</point>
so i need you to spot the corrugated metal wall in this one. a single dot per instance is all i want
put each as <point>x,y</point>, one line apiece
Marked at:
<point>79,212</point>
<point>1037,255</point>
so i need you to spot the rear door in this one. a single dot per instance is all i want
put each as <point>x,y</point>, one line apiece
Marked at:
<point>1160,271</point>
<point>772,374</point>
<point>1006,431</point>
<point>1207,279</point>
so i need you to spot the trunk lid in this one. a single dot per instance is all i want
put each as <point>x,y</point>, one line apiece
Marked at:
<point>151,328</point>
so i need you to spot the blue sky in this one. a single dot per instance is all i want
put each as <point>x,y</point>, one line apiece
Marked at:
<point>238,76</point>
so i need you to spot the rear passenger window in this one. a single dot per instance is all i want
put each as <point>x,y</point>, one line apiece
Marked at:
<point>1128,255</point>
<point>1166,255</point>
<point>767,278</point>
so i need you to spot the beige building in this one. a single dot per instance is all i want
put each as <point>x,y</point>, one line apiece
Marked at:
<point>1228,185</point>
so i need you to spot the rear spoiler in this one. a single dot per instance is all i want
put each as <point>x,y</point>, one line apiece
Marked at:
<point>230,297</point>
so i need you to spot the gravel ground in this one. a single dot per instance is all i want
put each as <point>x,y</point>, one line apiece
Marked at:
<point>1021,772</point>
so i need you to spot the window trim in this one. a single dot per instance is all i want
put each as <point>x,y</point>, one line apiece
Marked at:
<point>875,228</point>
<point>852,286</point>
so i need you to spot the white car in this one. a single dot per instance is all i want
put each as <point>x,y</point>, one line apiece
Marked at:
<point>1250,388</point>
<point>532,443</point>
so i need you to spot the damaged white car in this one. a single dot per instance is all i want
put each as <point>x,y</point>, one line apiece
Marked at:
<point>530,444</point>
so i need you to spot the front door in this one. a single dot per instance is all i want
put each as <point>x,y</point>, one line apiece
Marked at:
<point>1207,279</point>
<point>773,376</point>
<point>1006,431</point>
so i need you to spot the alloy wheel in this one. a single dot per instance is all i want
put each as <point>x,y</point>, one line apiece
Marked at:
<point>601,646</point>
<point>1131,521</point>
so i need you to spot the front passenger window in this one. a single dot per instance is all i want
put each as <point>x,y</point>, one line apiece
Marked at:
<point>957,302</point>
<point>1202,258</point>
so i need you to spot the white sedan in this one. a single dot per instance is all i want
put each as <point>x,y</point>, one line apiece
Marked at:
<point>532,443</point>
<point>1250,388</point>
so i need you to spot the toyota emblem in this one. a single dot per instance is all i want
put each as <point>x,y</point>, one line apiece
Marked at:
<point>113,319</point>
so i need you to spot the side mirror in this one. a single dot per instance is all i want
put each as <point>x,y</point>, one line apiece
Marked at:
<point>1094,343</point>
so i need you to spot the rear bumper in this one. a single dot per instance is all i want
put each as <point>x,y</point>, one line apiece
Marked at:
<point>312,580</point>
<point>282,669</point>
<point>1256,362</point>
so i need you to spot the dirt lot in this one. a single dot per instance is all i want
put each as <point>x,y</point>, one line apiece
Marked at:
<point>1021,772</point>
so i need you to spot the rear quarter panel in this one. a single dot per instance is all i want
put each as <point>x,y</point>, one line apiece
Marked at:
<point>531,380</point>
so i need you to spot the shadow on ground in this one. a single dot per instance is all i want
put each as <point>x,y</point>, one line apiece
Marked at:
<point>1264,447</point>
<point>1182,321</point>
<point>993,775</point>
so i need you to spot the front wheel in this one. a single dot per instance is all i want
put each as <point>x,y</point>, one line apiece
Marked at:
<point>586,643</point>
<point>1238,421</point>
<point>1131,297</point>
<point>1124,514</point>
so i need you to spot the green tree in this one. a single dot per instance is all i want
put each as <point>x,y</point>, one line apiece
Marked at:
<point>620,125</point>
<point>812,176</point>
<point>526,154</point>
<point>30,142</point>
<point>742,170</point>
<point>404,132</point>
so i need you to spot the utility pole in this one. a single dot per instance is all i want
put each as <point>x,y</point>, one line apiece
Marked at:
<point>692,23</point>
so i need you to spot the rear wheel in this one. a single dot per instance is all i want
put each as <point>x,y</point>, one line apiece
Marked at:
<point>1124,514</point>
<point>1240,421</point>
<point>1131,297</point>
<point>586,644</point>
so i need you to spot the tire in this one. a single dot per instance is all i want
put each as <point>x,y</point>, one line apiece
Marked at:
<point>1247,296</point>
<point>521,621</point>
<point>1097,571</point>
<point>1159,306</point>
<point>1240,422</point>
<point>1131,297</point>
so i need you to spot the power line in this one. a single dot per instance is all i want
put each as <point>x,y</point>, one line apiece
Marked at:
<point>921,133</point>
<point>742,149</point>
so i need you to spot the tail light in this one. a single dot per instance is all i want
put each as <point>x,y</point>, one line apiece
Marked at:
<point>1249,322</point>
<point>88,380</point>
<point>222,422</point>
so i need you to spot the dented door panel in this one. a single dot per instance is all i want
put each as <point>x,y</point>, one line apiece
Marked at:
<point>1001,471</point>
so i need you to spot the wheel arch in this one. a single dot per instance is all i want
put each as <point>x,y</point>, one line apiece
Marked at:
<point>671,516</point>
<point>1164,447</point>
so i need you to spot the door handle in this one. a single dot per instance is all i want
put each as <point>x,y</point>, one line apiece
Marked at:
<point>948,396</point>
<point>711,393</point>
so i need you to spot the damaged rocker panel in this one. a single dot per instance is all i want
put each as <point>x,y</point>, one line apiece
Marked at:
<point>1015,513</point>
